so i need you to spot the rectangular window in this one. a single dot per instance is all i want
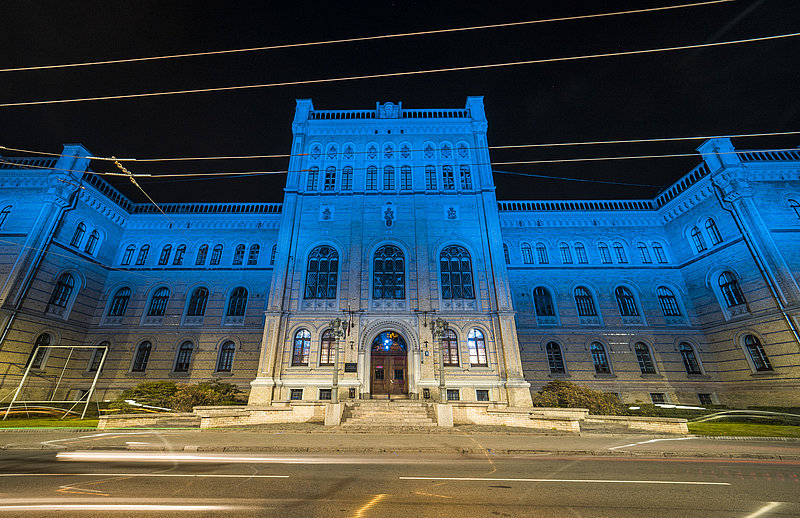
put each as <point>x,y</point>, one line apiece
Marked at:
<point>453,395</point>
<point>347,178</point>
<point>448,182</point>
<point>388,178</point>
<point>482,395</point>
<point>325,394</point>
<point>580,251</point>
<point>313,179</point>
<point>330,179</point>
<point>97,356</point>
<point>430,178</point>
<point>705,399</point>
<point>405,178</point>
<point>658,397</point>
<point>372,178</point>
<point>296,394</point>
<point>466,177</point>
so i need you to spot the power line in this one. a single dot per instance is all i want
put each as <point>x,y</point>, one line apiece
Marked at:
<point>402,74</point>
<point>358,39</point>
<point>568,179</point>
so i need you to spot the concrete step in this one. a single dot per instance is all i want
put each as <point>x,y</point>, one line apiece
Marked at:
<point>388,414</point>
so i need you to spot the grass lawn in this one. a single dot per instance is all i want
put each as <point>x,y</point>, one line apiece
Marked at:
<point>744,429</point>
<point>47,422</point>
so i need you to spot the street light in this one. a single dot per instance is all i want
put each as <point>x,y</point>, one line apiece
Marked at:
<point>438,332</point>
<point>337,326</point>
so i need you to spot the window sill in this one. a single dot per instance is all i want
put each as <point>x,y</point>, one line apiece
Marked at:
<point>605,375</point>
<point>698,376</point>
<point>559,375</point>
<point>654,375</point>
<point>758,374</point>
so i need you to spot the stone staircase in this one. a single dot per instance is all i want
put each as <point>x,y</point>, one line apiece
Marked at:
<point>382,414</point>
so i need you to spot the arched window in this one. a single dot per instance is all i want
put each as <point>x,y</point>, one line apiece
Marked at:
<point>599,358</point>
<point>302,345</point>
<point>527,253</point>
<point>450,348</point>
<point>793,204</point>
<point>216,255</point>
<point>689,359</point>
<point>626,302</point>
<point>697,239</point>
<point>142,257</point>
<point>97,356</point>
<point>661,257</point>
<point>585,302</point>
<point>466,178</point>
<point>4,215</point>
<point>448,182</point>
<point>91,243</point>
<point>202,252</point>
<point>566,253</point>
<point>388,178</point>
<point>128,255</point>
<point>163,258</point>
<point>757,353</point>
<point>327,348</point>
<point>184,359</point>
<point>555,360</point>
<point>580,252</point>
<point>238,255</point>
<point>605,256</point>
<point>120,302</point>
<point>77,237</point>
<point>543,302</point>
<point>731,292</point>
<point>644,253</point>
<point>669,304</point>
<point>313,178</point>
<point>477,348</point>
<point>388,273</point>
<point>179,253</point>
<point>506,255</point>
<point>347,178</point>
<point>329,183</point>
<point>541,253</point>
<point>197,303</point>
<point>713,232</point>
<point>372,178</point>
<point>272,254</point>
<point>405,177</point>
<point>38,356</point>
<point>252,257</point>
<point>322,273</point>
<point>620,251</point>
<point>646,364</point>
<point>158,304</point>
<point>237,302</point>
<point>430,178</point>
<point>142,357</point>
<point>62,291</point>
<point>225,360</point>
<point>456,270</point>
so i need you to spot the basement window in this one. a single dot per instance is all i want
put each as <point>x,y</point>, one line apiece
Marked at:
<point>453,395</point>
<point>325,394</point>
<point>658,397</point>
<point>296,394</point>
<point>482,395</point>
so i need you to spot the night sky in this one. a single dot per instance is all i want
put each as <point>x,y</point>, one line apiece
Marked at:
<point>748,88</point>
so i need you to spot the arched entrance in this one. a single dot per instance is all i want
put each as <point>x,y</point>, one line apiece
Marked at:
<point>389,373</point>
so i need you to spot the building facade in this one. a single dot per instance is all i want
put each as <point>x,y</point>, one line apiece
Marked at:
<point>389,223</point>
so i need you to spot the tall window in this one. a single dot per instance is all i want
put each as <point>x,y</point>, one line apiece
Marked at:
<point>566,253</point>
<point>580,251</point>
<point>216,255</point>
<point>661,257</point>
<point>347,178</point>
<point>466,177</point>
<point>527,253</point>
<point>450,348</point>
<point>646,364</point>
<point>163,258</point>
<point>38,356</point>
<point>252,256</point>
<point>555,360</point>
<point>644,253</point>
<point>179,253</point>
<point>713,232</point>
<point>757,354</point>
<point>793,204</point>
<point>272,254</point>
<point>322,273</point>
<point>448,183</point>
<point>477,348</point>
<point>91,243</point>
<point>388,178</point>
<point>313,178</point>
<point>184,358</point>
<point>330,179</point>
<point>142,257</point>
<point>62,291</point>
<point>372,178</point>
<point>158,304</point>
<point>327,348</point>
<point>689,359</point>
<point>97,357</point>
<point>697,239</point>
<point>238,255</point>
<point>626,302</point>
<point>605,256</point>
<point>120,302</point>
<point>669,304</point>
<point>730,289</point>
<point>543,302</point>
<point>128,255</point>
<point>430,178</point>
<point>619,250</point>
<point>77,237</point>
<point>585,302</point>
<point>541,253</point>
<point>142,357</point>
<point>4,215</point>
<point>456,268</point>
<point>197,303</point>
<point>506,256</point>
<point>405,177</point>
<point>302,345</point>
<point>599,358</point>
<point>237,302</point>
<point>225,360</point>
<point>388,273</point>
<point>202,252</point>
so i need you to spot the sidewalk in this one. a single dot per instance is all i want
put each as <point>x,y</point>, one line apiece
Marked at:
<point>387,442</point>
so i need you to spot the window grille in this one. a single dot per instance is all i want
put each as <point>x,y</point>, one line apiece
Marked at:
<point>689,359</point>
<point>448,183</point>
<point>77,237</point>
<point>430,178</point>
<point>730,289</point>
<point>252,256</point>
<point>216,255</point>
<point>555,360</point>
<point>347,178</point>
<point>669,304</point>
<point>158,303</point>
<point>225,360</point>
<point>713,232</point>
<point>405,177</point>
<point>372,178</point>
<point>91,243</point>
<point>757,354</point>
<point>62,291</point>
<point>566,253</point>
<point>197,303</point>
<point>605,255</point>
<point>585,302</point>
<point>238,255</point>
<point>38,356</point>
<point>541,253</point>
<point>450,348</point>
<point>119,303</point>
<point>477,348</point>
<point>388,178</point>
<point>646,364</point>
<point>697,239</point>
<point>527,253</point>
<point>644,253</point>
<point>237,302</point>
<point>580,251</point>
<point>543,303</point>
<point>456,272</point>
<point>313,178</point>
<point>388,273</point>
<point>506,255</point>
<point>599,358</point>
<point>184,358</point>
<point>302,345</point>
<point>622,258</point>
<point>327,348</point>
<point>163,258</point>
<point>466,177</point>
<point>659,251</point>
<point>202,252</point>
<point>330,179</point>
<point>142,357</point>
<point>142,257</point>
<point>626,302</point>
<point>322,273</point>
<point>179,253</point>
<point>128,255</point>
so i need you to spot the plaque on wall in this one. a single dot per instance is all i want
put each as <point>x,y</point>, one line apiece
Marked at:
<point>351,367</point>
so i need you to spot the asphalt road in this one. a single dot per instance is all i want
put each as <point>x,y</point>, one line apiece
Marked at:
<point>132,483</point>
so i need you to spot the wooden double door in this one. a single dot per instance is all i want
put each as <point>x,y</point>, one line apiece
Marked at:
<point>389,375</point>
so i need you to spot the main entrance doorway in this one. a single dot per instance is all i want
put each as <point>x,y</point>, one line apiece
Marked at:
<point>389,374</point>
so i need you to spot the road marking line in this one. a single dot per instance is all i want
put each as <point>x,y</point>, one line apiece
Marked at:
<point>366,507</point>
<point>650,441</point>
<point>198,475</point>
<point>770,506</point>
<point>114,507</point>
<point>590,481</point>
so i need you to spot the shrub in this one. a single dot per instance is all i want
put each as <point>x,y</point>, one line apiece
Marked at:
<point>564,394</point>
<point>180,398</point>
<point>154,393</point>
